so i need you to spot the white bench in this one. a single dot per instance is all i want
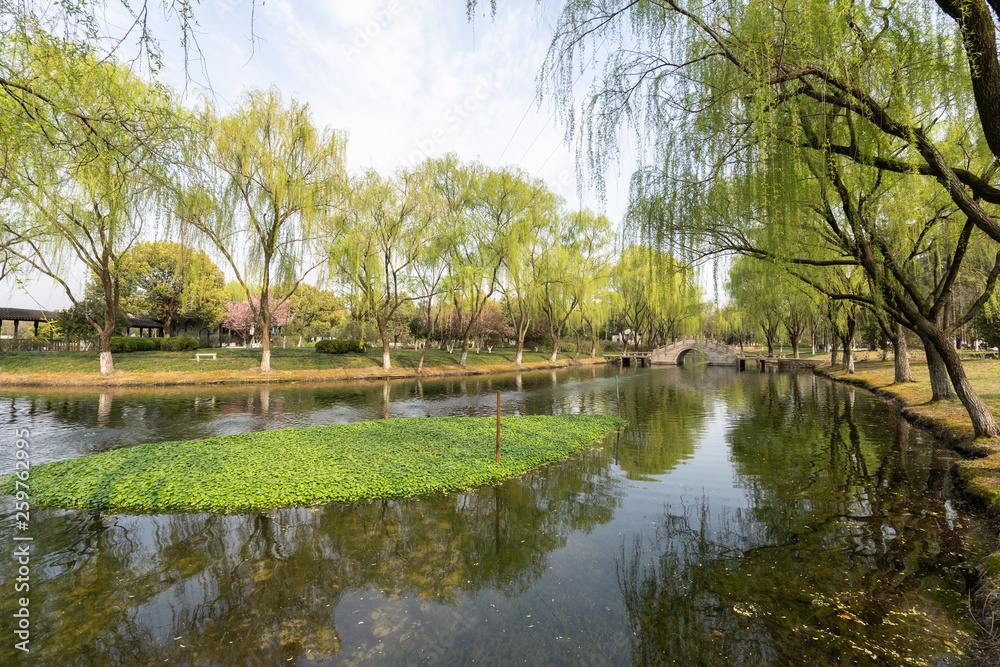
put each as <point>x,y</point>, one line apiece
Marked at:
<point>207,355</point>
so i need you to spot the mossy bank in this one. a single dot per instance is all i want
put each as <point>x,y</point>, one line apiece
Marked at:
<point>308,466</point>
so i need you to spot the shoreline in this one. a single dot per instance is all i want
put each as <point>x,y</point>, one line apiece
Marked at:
<point>253,376</point>
<point>977,477</point>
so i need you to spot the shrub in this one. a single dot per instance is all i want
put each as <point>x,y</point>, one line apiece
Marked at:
<point>143,344</point>
<point>340,346</point>
<point>180,344</point>
<point>123,344</point>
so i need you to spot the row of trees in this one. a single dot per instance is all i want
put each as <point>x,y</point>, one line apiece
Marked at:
<point>101,162</point>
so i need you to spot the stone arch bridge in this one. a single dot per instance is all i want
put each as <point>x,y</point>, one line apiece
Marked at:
<point>717,354</point>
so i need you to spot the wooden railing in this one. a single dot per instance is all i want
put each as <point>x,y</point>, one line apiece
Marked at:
<point>41,345</point>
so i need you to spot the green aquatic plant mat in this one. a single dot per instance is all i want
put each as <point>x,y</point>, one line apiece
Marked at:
<point>307,466</point>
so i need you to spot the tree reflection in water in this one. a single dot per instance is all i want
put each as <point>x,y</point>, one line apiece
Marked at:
<point>846,551</point>
<point>280,586</point>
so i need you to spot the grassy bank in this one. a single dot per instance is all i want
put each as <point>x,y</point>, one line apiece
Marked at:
<point>307,466</point>
<point>239,365</point>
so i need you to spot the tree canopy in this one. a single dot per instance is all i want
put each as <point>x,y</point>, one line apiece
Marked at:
<point>783,131</point>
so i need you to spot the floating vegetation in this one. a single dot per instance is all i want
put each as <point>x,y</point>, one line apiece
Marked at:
<point>308,466</point>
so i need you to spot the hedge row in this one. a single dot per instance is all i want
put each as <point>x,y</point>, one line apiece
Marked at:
<point>121,344</point>
<point>340,346</point>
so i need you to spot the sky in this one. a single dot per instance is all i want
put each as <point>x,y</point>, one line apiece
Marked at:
<point>406,79</point>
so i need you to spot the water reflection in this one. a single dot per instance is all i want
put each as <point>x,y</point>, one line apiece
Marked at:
<point>846,549</point>
<point>283,585</point>
<point>743,518</point>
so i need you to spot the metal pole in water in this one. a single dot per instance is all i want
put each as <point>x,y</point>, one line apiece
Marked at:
<point>618,393</point>
<point>498,427</point>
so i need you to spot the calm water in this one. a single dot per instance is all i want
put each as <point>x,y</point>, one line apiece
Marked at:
<point>754,519</point>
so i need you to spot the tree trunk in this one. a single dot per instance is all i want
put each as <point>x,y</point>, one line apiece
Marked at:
<point>770,333</point>
<point>166,324</point>
<point>593,336</point>
<point>107,363</point>
<point>555,350</point>
<point>384,335</point>
<point>901,355</point>
<point>795,344</point>
<point>848,363</point>
<point>983,422</point>
<point>265,343</point>
<point>940,382</point>
<point>423,353</point>
<point>519,354</point>
<point>462,360</point>
<point>834,347</point>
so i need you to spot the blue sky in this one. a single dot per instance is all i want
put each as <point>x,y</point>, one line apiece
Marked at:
<point>406,79</point>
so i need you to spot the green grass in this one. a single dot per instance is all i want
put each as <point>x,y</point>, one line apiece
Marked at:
<point>307,466</point>
<point>236,359</point>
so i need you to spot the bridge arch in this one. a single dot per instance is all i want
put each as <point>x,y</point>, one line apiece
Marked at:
<point>716,353</point>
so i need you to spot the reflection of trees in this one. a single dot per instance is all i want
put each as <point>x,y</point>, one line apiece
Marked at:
<point>667,412</point>
<point>845,552</point>
<point>266,588</point>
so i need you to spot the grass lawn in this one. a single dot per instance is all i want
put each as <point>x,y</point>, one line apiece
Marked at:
<point>307,466</point>
<point>239,365</point>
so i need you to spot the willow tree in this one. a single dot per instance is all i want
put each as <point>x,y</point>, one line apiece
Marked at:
<point>268,193</point>
<point>771,96</point>
<point>528,243</point>
<point>752,286</point>
<point>484,207</point>
<point>382,244</point>
<point>654,294</point>
<point>591,235</point>
<point>429,270</point>
<point>557,298</point>
<point>92,158</point>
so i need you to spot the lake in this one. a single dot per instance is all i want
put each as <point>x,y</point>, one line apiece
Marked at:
<point>753,518</point>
